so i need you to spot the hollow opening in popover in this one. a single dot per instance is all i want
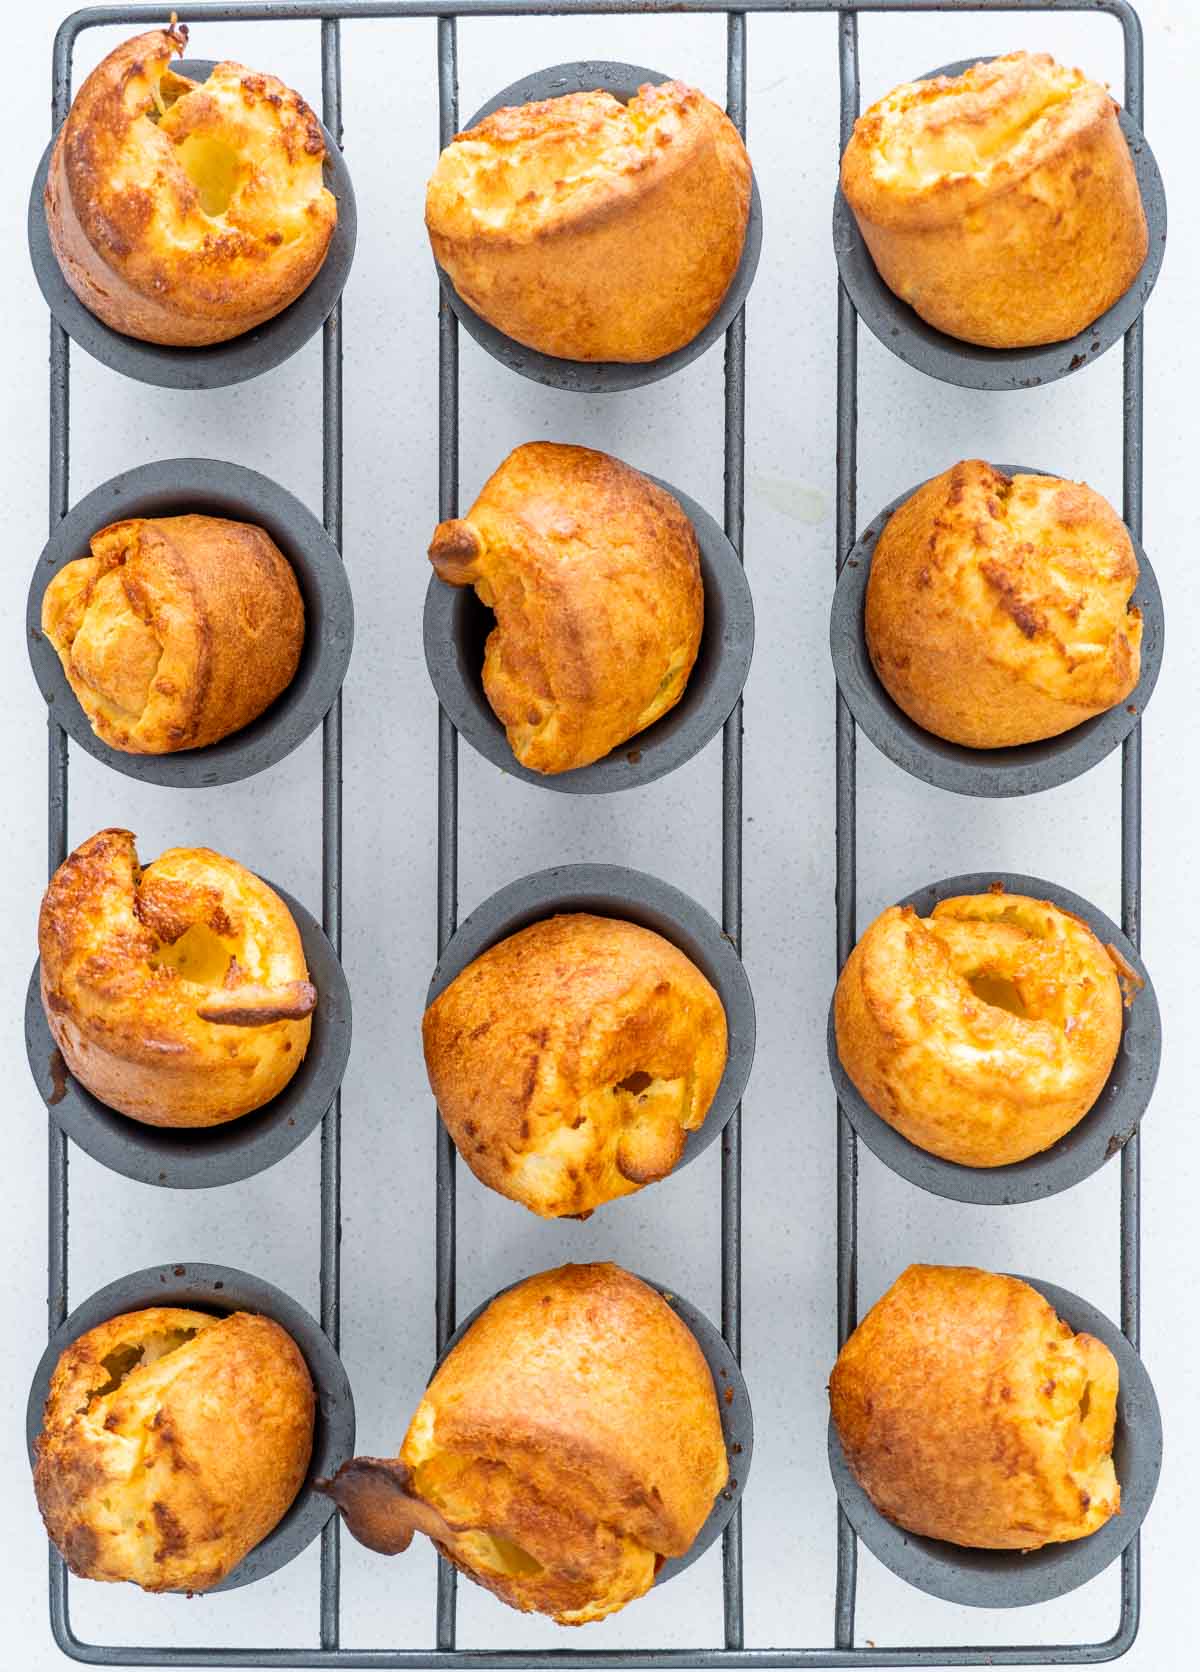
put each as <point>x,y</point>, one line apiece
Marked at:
<point>136,1355</point>
<point>199,955</point>
<point>214,168</point>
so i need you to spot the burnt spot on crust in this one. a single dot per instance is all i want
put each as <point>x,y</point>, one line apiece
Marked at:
<point>172,1536</point>
<point>1030,620</point>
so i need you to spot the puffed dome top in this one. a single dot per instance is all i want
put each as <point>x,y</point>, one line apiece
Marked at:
<point>186,213</point>
<point>932,150</point>
<point>1001,204</point>
<point>568,1444</point>
<point>593,572</point>
<point>178,993</point>
<point>171,1444</point>
<point>571,1060</point>
<point>594,230</point>
<point>175,631</point>
<point>984,1031</point>
<point>970,1412</point>
<point>999,609</point>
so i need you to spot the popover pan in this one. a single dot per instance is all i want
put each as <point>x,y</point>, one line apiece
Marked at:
<point>971,365</point>
<point>1104,1130</point>
<point>1019,1578</point>
<point>456,627</point>
<point>171,487</point>
<point>222,1290</point>
<point>733,1402</point>
<point>1019,769</point>
<point>212,367</point>
<point>615,891</point>
<point>601,376</point>
<point>196,1158</point>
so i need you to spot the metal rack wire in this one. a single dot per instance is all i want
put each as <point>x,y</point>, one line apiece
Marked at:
<point>733,1653</point>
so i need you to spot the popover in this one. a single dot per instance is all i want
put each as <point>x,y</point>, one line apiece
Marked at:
<point>172,1443</point>
<point>177,994</point>
<point>593,572</point>
<point>187,213</point>
<point>984,1032</point>
<point>567,1446</point>
<point>589,229</point>
<point>571,1060</point>
<point>175,631</point>
<point>1002,203</point>
<point>998,608</point>
<point>970,1412</point>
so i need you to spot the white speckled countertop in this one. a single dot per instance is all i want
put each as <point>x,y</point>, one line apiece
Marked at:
<point>908,833</point>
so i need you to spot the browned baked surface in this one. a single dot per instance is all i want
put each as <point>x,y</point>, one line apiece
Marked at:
<point>984,1032</point>
<point>594,575</point>
<point>175,631</point>
<point>593,230</point>
<point>568,1444</point>
<point>171,1444</point>
<point>1001,204</point>
<point>571,1060</point>
<point>181,212</point>
<point>177,994</point>
<point>968,1411</point>
<point>998,608</point>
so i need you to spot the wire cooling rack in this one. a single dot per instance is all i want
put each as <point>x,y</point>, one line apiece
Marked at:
<point>732,1653</point>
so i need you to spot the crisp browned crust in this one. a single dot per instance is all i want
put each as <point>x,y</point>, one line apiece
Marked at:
<point>570,1061</point>
<point>969,1412</point>
<point>998,608</point>
<point>171,1444</point>
<point>1001,204</point>
<point>567,1446</point>
<point>594,574</point>
<point>593,230</point>
<point>184,213</point>
<point>176,631</point>
<point>178,994</point>
<point>984,1032</point>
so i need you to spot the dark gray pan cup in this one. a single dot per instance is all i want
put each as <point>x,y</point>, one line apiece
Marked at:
<point>596,376</point>
<point>259,350</point>
<point>197,1158</point>
<point>456,627</point>
<point>1021,769</point>
<point>615,891</point>
<point>1014,1578</point>
<point>733,1402</point>
<point>1104,1130</point>
<point>972,366</point>
<point>171,487</point>
<point>222,1290</point>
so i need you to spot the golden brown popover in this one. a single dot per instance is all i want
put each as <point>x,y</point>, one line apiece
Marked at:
<point>984,1032</point>
<point>594,230</point>
<point>571,1060</point>
<point>172,1443</point>
<point>176,631</point>
<point>593,572</point>
<point>181,212</point>
<point>177,994</point>
<point>968,1411</point>
<point>1001,204</point>
<point>998,608</point>
<point>569,1444</point>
